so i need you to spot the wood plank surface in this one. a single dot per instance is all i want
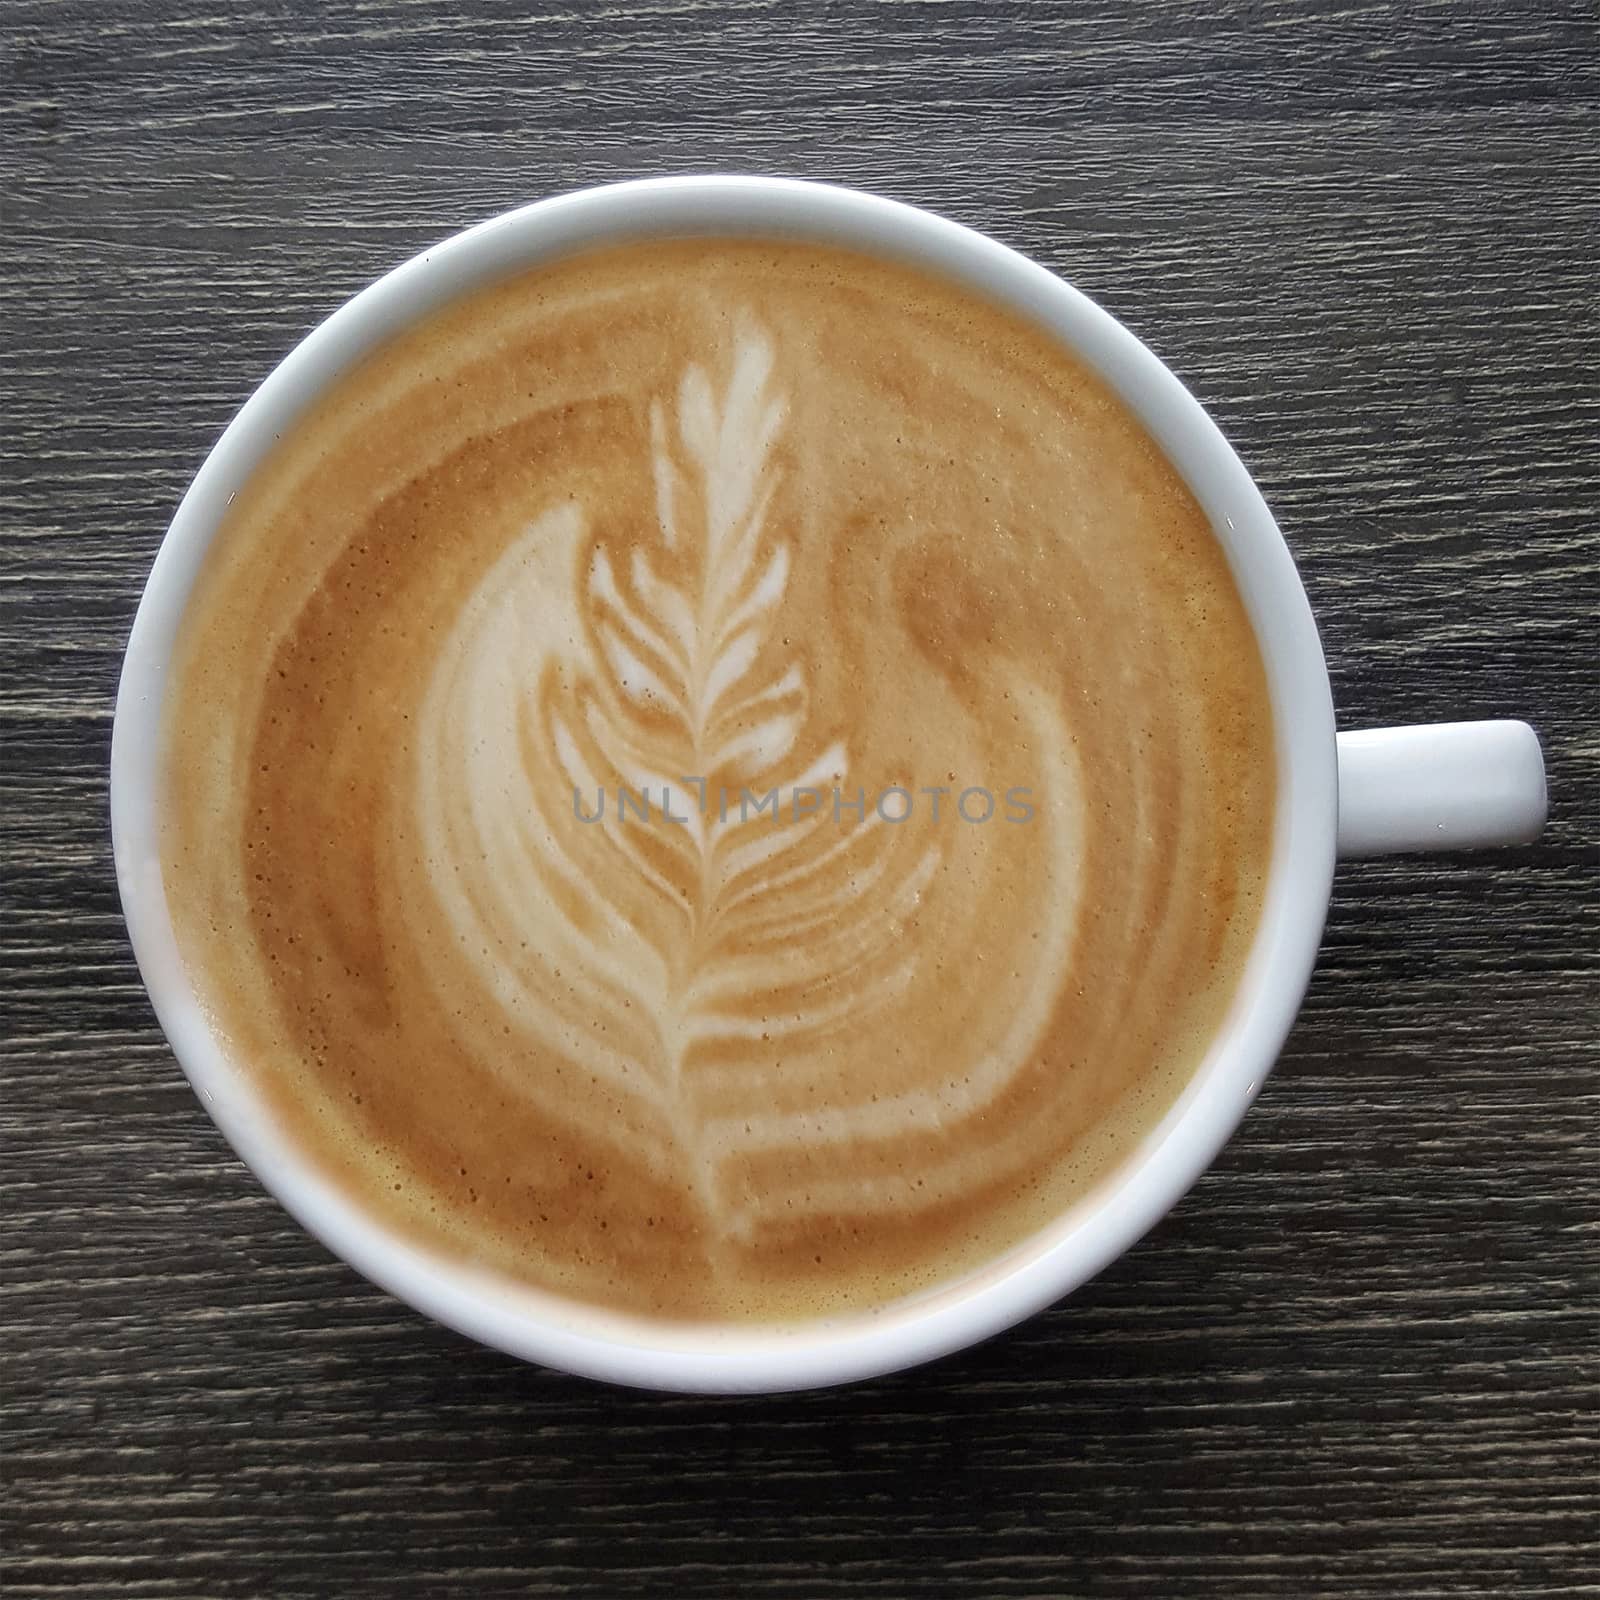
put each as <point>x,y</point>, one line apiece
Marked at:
<point>1360,1358</point>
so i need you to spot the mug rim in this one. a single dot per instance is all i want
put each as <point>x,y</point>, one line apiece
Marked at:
<point>1096,1227</point>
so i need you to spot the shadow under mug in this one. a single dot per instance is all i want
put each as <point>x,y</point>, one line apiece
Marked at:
<point>1445,786</point>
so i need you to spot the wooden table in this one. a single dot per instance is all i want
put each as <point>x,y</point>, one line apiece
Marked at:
<point>1360,1357</point>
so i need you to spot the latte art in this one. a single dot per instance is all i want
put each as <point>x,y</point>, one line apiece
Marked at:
<point>719,779</point>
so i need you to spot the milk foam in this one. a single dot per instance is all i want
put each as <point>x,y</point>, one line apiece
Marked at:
<point>691,520</point>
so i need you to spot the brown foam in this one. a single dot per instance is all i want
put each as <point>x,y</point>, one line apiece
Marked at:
<point>774,1070</point>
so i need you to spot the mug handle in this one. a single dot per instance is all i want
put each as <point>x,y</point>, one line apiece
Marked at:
<point>1441,786</point>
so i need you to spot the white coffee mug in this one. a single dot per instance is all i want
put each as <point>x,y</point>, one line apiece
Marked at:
<point>1446,786</point>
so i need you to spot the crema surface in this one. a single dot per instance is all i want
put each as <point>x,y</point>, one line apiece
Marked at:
<point>719,779</point>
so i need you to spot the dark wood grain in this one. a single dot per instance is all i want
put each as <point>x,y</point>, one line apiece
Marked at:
<point>1360,1358</point>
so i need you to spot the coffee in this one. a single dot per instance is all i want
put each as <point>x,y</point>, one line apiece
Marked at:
<point>722,779</point>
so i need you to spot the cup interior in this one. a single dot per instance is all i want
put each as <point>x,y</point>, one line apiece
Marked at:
<point>724,1358</point>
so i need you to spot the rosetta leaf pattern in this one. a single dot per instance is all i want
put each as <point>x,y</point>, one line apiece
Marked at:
<point>686,684</point>
<point>663,956</point>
